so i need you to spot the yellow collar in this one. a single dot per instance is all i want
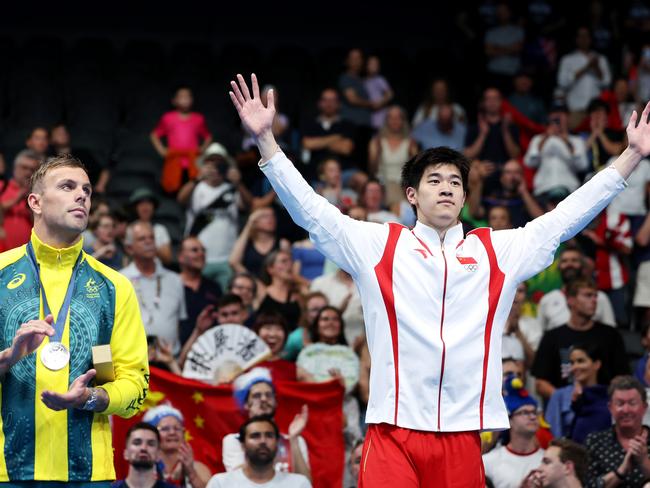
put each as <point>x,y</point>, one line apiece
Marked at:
<point>45,254</point>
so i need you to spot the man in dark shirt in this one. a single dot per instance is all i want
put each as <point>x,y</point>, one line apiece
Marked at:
<point>328,135</point>
<point>551,367</point>
<point>142,452</point>
<point>199,290</point>
<point>494,138</point>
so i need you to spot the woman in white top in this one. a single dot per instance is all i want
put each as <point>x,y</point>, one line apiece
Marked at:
<point>389,150</point>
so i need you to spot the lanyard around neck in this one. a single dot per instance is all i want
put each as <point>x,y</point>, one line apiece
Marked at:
<point>59,323</point>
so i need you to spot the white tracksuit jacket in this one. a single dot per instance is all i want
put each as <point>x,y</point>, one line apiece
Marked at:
<point>434,312</point>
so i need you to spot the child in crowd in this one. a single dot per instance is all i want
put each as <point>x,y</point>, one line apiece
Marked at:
<point>187,136</point>
<point>379,91</point>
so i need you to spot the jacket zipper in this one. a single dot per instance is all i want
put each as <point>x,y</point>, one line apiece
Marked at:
<point>442,320</point>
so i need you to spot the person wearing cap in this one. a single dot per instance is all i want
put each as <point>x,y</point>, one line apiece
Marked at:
<point>144,203</point>
<point>213,201</point>
<point>255,395</point>
<point>558,156</point>
<point>177,463</point>
<point>507,465</point>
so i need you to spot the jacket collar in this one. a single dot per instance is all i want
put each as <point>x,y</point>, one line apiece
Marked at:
<point>65,257</point>
<point>430,236</point>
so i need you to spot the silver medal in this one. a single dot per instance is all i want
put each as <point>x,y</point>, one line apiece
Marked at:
<point>55,356</point>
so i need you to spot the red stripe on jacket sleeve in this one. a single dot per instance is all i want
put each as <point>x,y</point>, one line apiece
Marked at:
<point>384,273</point>
<point>495,288</point>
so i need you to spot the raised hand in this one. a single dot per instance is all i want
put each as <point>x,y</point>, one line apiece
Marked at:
<point>257,118</point>
<point>186,456</point>
<point>299,422</point>
<point>638,134</point>
<point>205,320</point>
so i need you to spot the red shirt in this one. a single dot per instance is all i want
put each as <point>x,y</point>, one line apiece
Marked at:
<point>17,219</point>
<point>182,131</point>
<point>281,369</point>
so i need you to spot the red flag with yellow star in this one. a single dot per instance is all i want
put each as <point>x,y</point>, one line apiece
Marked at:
<point>211,413</point>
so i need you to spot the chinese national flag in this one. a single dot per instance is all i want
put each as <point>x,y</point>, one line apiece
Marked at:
<point>211,412</point>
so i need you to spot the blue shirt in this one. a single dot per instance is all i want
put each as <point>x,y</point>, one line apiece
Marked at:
<point>428,135</point>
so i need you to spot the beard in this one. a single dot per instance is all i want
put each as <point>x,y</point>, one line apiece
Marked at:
<point>261,457</point>
<point>143,464</point>
<point>570,274</point>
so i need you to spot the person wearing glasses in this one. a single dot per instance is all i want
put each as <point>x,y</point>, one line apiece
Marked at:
<point>507,465</point>
<point>176,457</point>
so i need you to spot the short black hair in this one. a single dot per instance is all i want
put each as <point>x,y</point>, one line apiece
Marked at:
<point>258,418</point>
<point>270,316</point>
<point>34,129</point>
<point>597,104</point>
<point>229,299</point>
<point>414,168</point>
<point>592,350</point>
<point>181,86</point>
<point>142,426</point>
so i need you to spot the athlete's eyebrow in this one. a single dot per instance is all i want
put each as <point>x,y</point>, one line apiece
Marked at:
<point>439,175</point>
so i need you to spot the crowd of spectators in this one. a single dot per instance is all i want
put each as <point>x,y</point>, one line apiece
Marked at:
<point>547,119</point>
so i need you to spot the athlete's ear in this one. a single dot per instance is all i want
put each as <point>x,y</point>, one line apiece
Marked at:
<point>34,202</point>
<point>412,195</point>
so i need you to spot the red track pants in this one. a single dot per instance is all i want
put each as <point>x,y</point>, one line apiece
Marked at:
<point>394,457</point>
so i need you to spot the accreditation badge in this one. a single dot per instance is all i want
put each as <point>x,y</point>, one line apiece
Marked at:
<point>55,356</point>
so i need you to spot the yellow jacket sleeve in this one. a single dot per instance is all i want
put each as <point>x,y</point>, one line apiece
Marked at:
<point>130,355</point>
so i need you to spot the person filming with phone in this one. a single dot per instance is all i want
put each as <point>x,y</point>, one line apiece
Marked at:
<point>558,156</point>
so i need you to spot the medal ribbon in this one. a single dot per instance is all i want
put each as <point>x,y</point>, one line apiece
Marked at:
<point>59,323</point>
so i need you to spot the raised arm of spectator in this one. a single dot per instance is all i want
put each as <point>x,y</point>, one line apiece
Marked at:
<point>475,193</point>
<point>237,254</point>
<point>511,145</point>
<point>474,149</point>
<point>185,193</point>
<point>642,237</point>
<point>532,206</point>
<point>374,153</point>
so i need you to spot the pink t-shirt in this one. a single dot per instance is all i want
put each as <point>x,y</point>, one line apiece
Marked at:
<point>184,133</point>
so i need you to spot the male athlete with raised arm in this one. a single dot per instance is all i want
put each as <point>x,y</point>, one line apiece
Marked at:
<point>435,301</point>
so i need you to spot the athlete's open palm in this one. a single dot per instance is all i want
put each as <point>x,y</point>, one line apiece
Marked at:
<point>638,135</point>
<point>256,118</point>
